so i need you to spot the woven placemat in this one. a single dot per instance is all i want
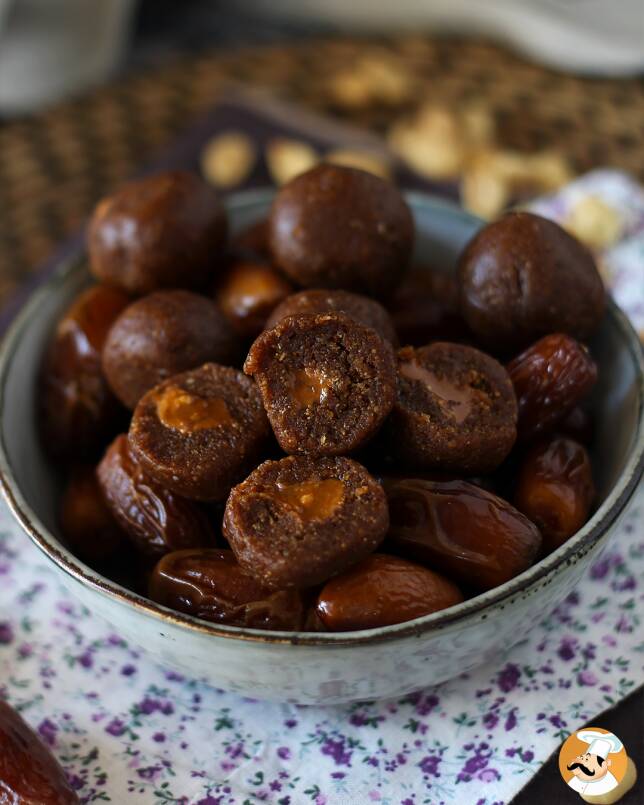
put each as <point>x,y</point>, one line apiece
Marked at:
<point>53,167</point>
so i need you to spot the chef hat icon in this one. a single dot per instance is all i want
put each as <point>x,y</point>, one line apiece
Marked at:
<point>601,744</point>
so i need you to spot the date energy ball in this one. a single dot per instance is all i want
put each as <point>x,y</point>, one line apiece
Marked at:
<point>357,307</point>
<point>455,410</point>
<point>200,432</point>
<point>160,335</point>
<point>298,521</point>
<point>167,230</point>
<point>327,382</point>
<point>339,227</point>
<point>523,277</point>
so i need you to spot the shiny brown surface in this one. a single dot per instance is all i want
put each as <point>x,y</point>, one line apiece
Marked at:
<point>455,400</point>
<point>209,583</point>
<point>312,500</point>
<point>29,773</point>
<point>522,277</point>
<point>156,520</point>
<point>163,231</point>
<point>549,379</point>
<point>461,530</point>
<point>160,335</point>
<point>383,590</point>
<point>555,489</point>
<point>185,412</point>
<point>76,408</point>
<point>338,227</point>
<point>248,293</point>
<point>85,519</point>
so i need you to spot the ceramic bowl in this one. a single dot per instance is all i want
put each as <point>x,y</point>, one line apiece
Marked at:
<point>324,668</point>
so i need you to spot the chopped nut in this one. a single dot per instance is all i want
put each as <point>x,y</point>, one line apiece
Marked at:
<point>365,160</point>
<point>594,222</point>
<point>378,77</point>
<point>431,143</point>
<point>288,158</point>
<point>228,159</point>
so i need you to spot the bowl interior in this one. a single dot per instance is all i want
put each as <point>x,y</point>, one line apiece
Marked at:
<point>442,232</point>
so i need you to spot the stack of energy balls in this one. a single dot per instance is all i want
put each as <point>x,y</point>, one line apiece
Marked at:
<point>296,429</point>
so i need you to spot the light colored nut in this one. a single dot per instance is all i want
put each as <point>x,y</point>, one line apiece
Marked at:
<point>478,124</point>
<point>485,189</point>
<point>228,159</point>
<point>432,148</point>
<point>365,160</point>
<point>594,222</point>
<point>377,77</point>
<point>286,159</point>
<point>550,169</point>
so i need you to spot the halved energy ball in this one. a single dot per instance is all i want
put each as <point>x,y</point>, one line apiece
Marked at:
<point>455,410</point>
<point>327,382</point>
<point>301,520</point>
<point>199,432</point>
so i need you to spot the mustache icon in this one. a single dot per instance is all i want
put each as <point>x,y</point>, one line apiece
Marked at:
<point>581,766</point>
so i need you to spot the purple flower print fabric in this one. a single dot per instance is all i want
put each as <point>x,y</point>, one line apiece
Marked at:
<point>127,730</point>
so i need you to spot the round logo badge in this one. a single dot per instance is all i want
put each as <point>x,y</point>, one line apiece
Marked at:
<point>593,762</point>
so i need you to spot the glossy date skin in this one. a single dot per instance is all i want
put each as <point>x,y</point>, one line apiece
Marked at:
<point>209,583</point>
<point>85,519</point>
<point>248,293</point>
<point>550,378</point>
<point>76,409</point>
<point>556,489</point>
<point>469,534</point>
<point>156,520</point>
<point>29,774</point>
<point>383,590</point>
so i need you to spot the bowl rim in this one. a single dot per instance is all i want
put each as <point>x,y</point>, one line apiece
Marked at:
<point>606,514</point>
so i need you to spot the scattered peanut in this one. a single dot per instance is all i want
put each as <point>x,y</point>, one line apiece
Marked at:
<point>286,158</point>
<point>228,159</point>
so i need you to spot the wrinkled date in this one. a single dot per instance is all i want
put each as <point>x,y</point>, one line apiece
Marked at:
<point>86,521</point>
<point>460,529</point>
<point>208,583</point>
<point>549,379</point>
<point>555,489</point>
<point>156,520</point>
<point>383,590</point>
<point>76,408</point>
<point>29,774</point>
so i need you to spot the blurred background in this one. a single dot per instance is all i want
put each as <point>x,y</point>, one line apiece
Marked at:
<point>489,103</point>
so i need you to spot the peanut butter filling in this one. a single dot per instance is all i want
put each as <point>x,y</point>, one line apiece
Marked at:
<point>313,500</point>
<point>185,412</point>
<point>310,386</point>
<point>458,400</point>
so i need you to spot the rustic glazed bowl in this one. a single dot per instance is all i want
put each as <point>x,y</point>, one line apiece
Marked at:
<point>324,668</point>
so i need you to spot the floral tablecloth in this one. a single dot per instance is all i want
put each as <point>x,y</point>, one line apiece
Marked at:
<point>127,730</point>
